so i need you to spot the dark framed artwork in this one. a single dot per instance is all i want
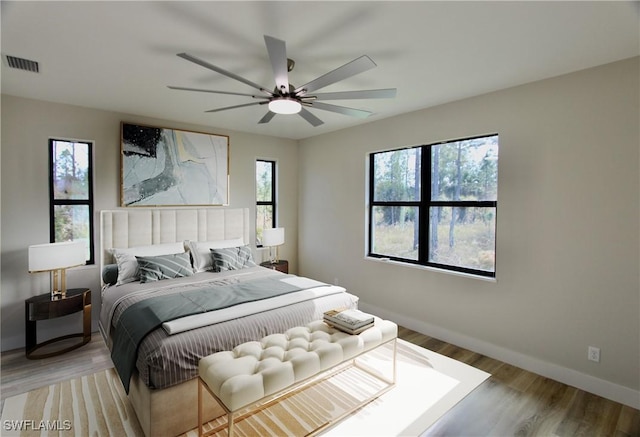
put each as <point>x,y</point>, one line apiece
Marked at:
<point>171,167</point>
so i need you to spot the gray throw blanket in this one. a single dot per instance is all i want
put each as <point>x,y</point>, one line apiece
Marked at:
<point>143,317</point>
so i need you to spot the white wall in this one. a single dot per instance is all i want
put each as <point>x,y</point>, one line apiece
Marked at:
<point>568,227</point>
<point>26,127</point>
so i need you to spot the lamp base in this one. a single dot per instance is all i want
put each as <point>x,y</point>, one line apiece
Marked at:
<point>58,294</point>
<point>273,258</point>
<point>59,280</point>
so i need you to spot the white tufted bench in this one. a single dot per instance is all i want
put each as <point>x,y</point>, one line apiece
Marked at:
<point>258,372</point>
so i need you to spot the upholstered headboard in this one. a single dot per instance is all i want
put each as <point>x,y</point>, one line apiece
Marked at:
<point>123,228</point>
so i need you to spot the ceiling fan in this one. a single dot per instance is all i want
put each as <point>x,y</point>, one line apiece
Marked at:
<point>286,98</point>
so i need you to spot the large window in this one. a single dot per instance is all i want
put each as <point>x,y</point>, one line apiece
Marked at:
<point>436,205</point>
<point>71,193</point>
<point>265,197</point>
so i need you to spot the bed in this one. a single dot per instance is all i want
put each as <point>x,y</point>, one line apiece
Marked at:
<point>157,357</point>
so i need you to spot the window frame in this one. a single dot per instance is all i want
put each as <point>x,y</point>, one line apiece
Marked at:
<point>423,207</point>
<point>53,202</point>
<point>272,202</point>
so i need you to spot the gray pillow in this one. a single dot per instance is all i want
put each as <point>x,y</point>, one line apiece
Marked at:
<point>126,258</point>
<point>110,274</point>
<point>232,258</point>
<point>157,268</point>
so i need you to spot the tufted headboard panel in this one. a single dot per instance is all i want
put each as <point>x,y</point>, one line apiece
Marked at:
<point>124,228</point>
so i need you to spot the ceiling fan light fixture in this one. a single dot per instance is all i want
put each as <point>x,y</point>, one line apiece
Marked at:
<point>285,105</point>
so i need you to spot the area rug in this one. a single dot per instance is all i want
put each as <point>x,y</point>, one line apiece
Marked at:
<point>427,386</point>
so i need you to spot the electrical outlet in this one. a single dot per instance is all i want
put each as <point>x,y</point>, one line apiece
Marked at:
<point>593,354</point>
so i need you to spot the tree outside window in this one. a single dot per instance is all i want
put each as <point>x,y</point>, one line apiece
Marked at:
<point>265,197</point>
<point>71,192</point>
<point>443,217</point>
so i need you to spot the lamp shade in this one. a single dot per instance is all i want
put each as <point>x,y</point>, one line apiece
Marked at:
<point>52,256</point>
<point>272,236</point>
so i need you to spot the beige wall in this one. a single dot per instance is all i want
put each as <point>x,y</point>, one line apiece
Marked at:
<point>568,227</point>
<point>26,128</point>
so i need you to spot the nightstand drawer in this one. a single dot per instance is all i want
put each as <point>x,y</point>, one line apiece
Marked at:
<point>43,308</point>
<point>281,266</point>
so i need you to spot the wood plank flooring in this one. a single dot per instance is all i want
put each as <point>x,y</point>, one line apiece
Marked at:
<point>20,375</point>
<point>512,402</point>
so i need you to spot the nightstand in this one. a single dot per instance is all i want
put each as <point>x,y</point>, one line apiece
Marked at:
<point>43,308</point>
<point>281,266</point>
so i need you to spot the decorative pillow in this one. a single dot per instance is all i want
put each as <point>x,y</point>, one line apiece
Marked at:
<point>232,258</point>
<point>157,268</point>
<point>110,274</point>
<point>126,258</point>
<point>201,255</point>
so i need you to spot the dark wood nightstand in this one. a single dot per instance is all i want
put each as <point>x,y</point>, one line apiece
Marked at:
<point>281,266</point>
<point>43,308</point>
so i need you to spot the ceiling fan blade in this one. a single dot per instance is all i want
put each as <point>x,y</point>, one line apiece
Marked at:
<point>216,92</point>
<point>357,66</point>
<point>267,117</point>
<point>278,56</point>
<point>236,106</point>
<point>342,110</point>
<point>205,64</point>
<point>312,119</point>
<point>387,93</point>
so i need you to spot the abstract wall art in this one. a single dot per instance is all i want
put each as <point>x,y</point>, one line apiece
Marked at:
<point>170,167</point>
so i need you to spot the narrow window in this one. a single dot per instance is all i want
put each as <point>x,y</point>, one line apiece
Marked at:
<point>71,193</point>
<point>265,197</point>
<point>436,205</point>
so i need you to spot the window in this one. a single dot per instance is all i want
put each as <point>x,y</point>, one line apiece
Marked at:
<point>265,197</point>
<point>436,205</point>
<point>71,192</point>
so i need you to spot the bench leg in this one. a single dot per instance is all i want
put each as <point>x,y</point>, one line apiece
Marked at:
<point>394,353</point>
<point>200,402</point>
<point>230,423</point>
<point>203,390</point>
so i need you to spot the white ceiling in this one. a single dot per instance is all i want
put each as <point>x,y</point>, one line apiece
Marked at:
<point>120,56</point>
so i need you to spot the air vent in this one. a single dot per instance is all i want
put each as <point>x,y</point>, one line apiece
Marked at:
<point>23,64</point>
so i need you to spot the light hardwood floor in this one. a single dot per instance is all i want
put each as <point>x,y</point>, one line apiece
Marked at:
<point>512,402</point>
<point>20,375</point>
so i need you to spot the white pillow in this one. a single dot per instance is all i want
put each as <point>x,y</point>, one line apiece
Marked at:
<point>201,253</point>
<point>128,265</point>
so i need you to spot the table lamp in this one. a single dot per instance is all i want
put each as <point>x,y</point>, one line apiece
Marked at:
<point>273,237</point>
<point>56,258</point>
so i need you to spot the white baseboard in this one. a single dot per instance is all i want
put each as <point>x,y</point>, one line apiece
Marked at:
<point>588,383</point>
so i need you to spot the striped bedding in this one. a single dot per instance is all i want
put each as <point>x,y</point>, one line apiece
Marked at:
<point>165,360</point>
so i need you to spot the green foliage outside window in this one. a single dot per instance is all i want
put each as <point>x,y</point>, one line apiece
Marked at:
<point>71,192</point>
<point>265,197</point>
<point>455,219</point>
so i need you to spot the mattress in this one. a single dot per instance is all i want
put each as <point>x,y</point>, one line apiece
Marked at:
<point>169,354</point>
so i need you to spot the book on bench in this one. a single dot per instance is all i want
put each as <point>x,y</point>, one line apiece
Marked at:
<point>348,330</point>
<point>349,320</point>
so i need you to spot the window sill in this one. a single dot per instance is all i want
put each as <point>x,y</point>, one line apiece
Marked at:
<point>428,268</point>
<point>83,267</point>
